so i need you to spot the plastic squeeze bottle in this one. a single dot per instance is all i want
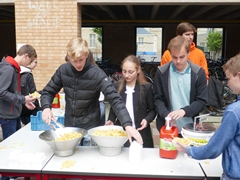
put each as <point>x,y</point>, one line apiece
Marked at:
<point>56,101</point>
<point>166,146</point>
<point>62,100</point>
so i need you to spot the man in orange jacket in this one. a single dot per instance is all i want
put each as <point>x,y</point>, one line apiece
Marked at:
<point>196,55</point>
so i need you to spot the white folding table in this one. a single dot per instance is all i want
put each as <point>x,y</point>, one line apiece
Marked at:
<point>19,154</point>
<point>89,163</point>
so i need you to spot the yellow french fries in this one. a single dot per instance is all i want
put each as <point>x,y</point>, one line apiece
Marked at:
<point>186,142</point>
<point>67,164</point>
<point>35,95</point>
<point>198,142</point>
<point>68,136</point>
<point>109,132</point>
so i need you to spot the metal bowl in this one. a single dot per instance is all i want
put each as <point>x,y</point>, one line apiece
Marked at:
<point>108,145</point>
<point>62,148</point>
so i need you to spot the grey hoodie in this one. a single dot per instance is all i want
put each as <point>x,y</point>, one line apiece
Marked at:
<point>11,99</point>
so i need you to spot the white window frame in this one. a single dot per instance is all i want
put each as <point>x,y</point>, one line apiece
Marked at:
<point>92,40</point>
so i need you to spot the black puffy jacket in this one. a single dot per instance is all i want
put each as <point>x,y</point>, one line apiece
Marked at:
<point>82,90</point>
<point>27,87</point>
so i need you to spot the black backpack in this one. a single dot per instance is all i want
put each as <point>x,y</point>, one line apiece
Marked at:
<point>215,94</point>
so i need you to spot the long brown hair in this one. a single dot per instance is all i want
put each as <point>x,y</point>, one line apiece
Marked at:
<point>140,77</point>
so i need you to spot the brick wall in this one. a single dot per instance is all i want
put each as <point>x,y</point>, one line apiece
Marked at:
<point>47,25</point>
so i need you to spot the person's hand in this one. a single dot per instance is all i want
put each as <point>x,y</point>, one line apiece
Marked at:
<point>143,125</point>
<point>181,143</point>
<point>47,115</point>
<point>177,114</point>
<point>109,123</point>
<point>132,132</point>
<point>29,98</point>
<point>30,105</point>
<point>180,147</point>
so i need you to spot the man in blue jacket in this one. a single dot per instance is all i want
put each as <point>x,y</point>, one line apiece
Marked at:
<point>226,140</point>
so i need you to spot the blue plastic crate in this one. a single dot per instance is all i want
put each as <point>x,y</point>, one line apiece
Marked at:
<point>37,124</point>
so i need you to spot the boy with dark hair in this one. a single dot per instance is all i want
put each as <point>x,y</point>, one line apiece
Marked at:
<point>187,30</point>
<point>11,99</point>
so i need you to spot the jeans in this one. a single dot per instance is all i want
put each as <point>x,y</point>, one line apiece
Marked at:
<point>8,127</point>
<point>4,178</point>
<point>19,125</point>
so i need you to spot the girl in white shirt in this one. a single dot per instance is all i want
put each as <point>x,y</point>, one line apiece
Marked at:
<point>137,94</point>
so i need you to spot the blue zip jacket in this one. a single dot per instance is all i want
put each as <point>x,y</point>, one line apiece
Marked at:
<point>226,140</point>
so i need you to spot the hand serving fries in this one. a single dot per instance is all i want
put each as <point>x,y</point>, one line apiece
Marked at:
<point>186,142</point>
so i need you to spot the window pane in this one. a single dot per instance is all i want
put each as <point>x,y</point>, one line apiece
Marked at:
<point>140,41</point>
<point>149,43</point>
<point>210,41</point>
<point>93,35</point>
<point>92,43</point>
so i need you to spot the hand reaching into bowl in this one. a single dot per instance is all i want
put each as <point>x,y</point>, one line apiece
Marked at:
<point>132,132</point>
<point>47,116</point>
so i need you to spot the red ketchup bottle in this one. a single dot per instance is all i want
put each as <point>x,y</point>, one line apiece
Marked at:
<point>166,146</point>
<point>56,101</point>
